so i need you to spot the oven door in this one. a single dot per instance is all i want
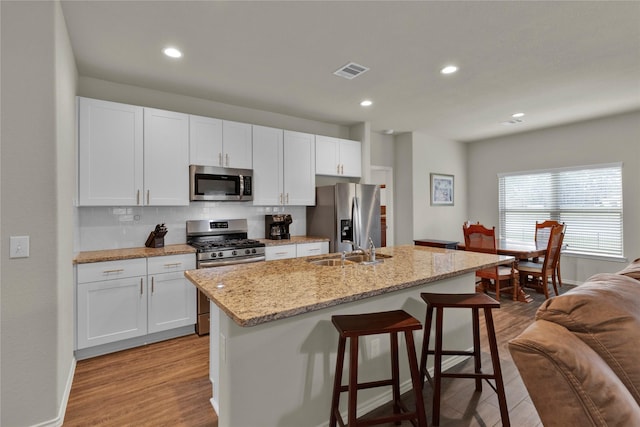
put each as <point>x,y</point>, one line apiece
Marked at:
<point>209,183</point>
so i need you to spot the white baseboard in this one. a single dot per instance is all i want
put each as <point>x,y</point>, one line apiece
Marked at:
<point>59,420</point>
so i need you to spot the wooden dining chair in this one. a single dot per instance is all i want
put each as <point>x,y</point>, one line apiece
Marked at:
<point>540,273</point>
<point>543,232</point>
<point>478,238</point>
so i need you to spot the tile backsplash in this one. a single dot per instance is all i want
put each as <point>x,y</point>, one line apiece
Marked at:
<point>126,227</point>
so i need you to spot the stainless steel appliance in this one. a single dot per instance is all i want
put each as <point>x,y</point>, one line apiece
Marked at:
<point>218,243</point>
<point>345,213</point>
<point>210,183</point>
<point>276,226</point>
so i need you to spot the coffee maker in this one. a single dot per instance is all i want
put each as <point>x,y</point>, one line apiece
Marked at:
<point>276,226</point>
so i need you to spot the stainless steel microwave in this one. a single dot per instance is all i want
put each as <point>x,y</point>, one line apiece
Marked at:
<point>210,183</point>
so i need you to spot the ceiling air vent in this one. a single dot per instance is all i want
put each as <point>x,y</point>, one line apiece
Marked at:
<point>351,70</point>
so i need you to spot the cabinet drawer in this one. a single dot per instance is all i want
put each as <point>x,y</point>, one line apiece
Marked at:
<point>315,248</point>
<point>280,252</point>
<point>97,271</point>
<point>169,263</point>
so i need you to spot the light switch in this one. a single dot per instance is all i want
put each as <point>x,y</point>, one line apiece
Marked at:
<point>19,247</point>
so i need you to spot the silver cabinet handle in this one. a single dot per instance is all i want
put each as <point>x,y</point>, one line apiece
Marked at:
<point>148,191</point>
<point>280,198</point>
<point>152,285</point>
<point>138,197</point>
<point>287,198</point>
<point>342,169</point>
<point>117,270</point>
<point>226,157</point>
<point>220,159</point>
<point>173,264</point>
<point>338,168</point>
<point>141,286</point>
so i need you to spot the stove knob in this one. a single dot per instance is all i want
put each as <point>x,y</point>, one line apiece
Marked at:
<point>220,254</point>
<point>234,253</point>
<point>213,255</point>
<point>247,251</point>
<point>253,251</point>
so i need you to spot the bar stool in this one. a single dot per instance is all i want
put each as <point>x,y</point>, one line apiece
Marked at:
<point>355,326</point>
<point>475,302</point>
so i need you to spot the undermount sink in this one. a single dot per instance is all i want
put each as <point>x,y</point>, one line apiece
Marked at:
<point>349,260</point>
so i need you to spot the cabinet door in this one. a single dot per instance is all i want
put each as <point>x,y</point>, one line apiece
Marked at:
<point>111,310</point>
<point>327,155</point>
<point>166,158</point>
<point>110,150</point>
<point>314,248</point>
<point>205,141</point>
<point>299,169</point>
<point>171,302</point>
<point>350,158</point>
<point>272,253</point>
<point>267,166</point>
<point>237,144</point>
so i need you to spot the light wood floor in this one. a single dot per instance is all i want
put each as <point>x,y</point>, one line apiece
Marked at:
<point>167,384</point>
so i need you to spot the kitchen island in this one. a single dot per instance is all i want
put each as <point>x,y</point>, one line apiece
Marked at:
<point>273,346</point>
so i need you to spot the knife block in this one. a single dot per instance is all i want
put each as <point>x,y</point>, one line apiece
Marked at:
<point>155,241</point>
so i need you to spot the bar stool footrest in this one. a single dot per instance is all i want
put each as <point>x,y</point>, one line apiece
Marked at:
<point>371,384</point>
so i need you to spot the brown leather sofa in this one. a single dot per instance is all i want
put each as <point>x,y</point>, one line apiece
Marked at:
<point>580,359</point>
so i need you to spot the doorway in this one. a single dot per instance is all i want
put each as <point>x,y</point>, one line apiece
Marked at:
<point>383,176</point>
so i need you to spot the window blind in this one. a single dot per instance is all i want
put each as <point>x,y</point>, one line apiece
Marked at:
<point>587,199</point>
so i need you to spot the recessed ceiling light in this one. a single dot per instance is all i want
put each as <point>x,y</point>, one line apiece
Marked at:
<point>516,115</point>
<point>366,103</point>
<point>449,69</point>
<point>172,52</point>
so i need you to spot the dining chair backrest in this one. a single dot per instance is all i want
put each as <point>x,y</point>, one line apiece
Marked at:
<point>543,230</point>
<point>478,238</point>
<point>553,247</point>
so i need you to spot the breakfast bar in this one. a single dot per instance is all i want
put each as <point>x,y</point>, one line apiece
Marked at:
<point>273,347</point>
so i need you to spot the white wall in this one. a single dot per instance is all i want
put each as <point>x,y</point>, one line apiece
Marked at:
<point>604,140</point>
<point>382,149</point>
<point>417,155</point>
<point>38,85</point>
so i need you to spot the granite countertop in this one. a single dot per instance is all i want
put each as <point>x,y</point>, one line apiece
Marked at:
<point>131,253</point>
<point>252,294</point>
<point>294,240</point>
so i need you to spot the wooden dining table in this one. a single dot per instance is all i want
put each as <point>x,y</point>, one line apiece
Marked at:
<point>520,251</point>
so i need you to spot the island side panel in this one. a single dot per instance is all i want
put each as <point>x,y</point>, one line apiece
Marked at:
<point>281,373</point>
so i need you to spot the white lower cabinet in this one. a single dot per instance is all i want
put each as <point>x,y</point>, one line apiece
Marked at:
<point>171,298</point>
<point>118,300</point>
<point>273,253</point>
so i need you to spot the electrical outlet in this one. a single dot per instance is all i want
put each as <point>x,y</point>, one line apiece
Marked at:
<point>19,247</point>
<point>375,347</point>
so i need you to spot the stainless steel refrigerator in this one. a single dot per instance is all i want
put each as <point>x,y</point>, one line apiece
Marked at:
<point>346,212</point>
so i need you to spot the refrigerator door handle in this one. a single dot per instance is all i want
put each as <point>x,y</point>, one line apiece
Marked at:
<point>355,218</point>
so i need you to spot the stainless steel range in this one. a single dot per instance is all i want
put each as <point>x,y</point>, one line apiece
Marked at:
<point>220,242</point>
<point>223,242</point>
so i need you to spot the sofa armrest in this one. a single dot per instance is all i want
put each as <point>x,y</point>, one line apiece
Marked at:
<point>568,382</point>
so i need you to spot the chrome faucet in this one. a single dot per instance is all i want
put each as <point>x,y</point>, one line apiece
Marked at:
<point>372,250</point>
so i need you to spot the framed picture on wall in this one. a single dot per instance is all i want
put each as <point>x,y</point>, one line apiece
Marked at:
<point>441,189</point>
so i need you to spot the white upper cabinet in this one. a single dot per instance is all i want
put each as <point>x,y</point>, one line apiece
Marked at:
<point>299,169</point>
<point>222,143</point>
<point>166,158</point>
<point>338,157</point>
<point>205,141</point>
<point>283,167</point>
<point>110,151</point>
<point>268,173</point>
<point>237,144</point>
<point>131,156</point>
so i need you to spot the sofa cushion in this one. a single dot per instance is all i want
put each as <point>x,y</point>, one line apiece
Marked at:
<point>632,270</point>
<point>604,313</point>
<point>569,384</point>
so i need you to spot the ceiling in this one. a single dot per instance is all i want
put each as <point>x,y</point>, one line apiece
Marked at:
<point>558,62</point>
